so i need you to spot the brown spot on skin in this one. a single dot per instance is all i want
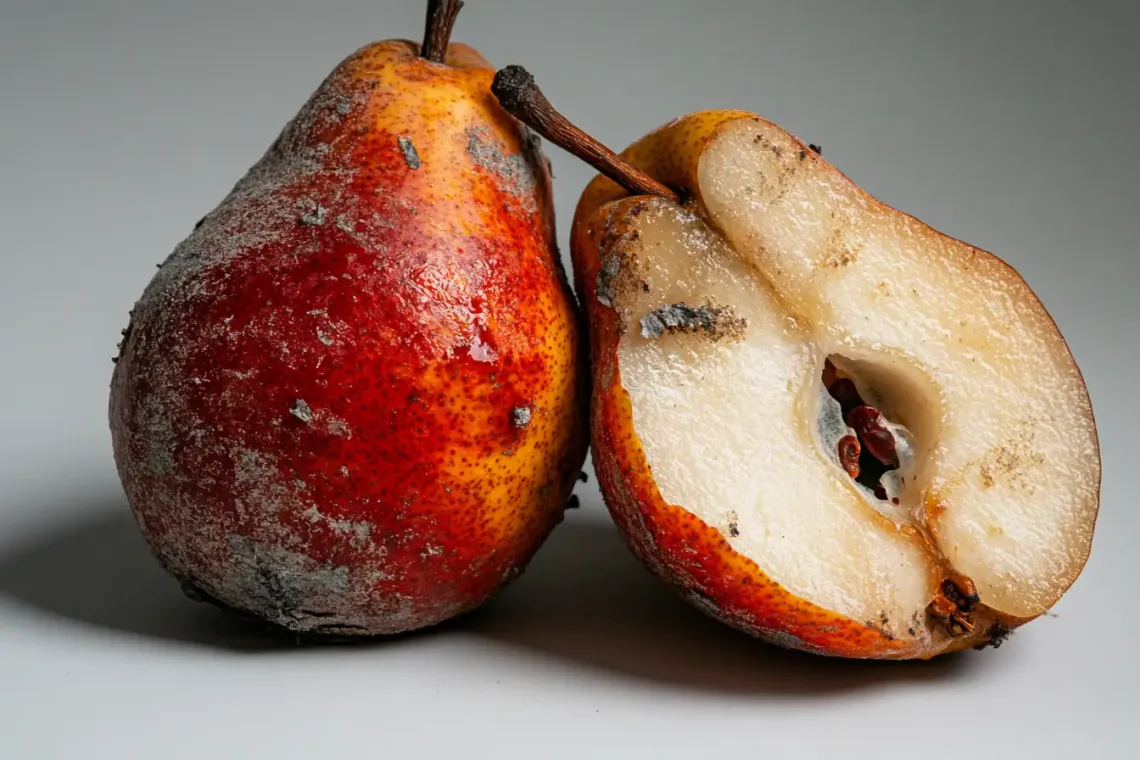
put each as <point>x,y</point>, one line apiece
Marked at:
<point>716,322</point>
<point>841,257</point>
<point>818,149</point>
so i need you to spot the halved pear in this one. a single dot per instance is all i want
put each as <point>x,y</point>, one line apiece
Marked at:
<point>726,329</point>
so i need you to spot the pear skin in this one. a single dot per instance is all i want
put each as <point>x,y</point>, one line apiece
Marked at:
<point>351,401</point>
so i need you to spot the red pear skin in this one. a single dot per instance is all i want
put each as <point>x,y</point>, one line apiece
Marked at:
<point>351,401</point>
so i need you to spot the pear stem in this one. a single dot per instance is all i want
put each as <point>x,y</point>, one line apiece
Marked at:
<point>518,94</point>
<point>437,29</point>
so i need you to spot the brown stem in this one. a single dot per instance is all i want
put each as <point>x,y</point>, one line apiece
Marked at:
<point>519,95</point>
<point>437,29</point>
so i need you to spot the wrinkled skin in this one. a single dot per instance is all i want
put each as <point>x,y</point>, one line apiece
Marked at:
<point>351,400</point>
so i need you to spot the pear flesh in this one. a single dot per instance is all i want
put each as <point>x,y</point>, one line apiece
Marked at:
<point>731,306</point>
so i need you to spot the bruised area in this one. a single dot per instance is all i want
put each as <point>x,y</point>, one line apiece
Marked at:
<point>350,400</point>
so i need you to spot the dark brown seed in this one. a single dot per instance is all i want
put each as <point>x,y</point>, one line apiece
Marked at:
<point>872,430</point>
<point>849,454</point>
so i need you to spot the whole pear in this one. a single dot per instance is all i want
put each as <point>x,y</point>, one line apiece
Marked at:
<point>351,401</point>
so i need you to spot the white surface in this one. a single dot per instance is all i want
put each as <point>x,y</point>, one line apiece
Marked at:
<point>1010,125</point>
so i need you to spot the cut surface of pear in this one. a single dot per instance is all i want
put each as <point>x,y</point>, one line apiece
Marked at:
<point>732,305</point>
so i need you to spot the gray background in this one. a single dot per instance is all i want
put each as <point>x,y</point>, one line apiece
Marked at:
<point>1010,125</point>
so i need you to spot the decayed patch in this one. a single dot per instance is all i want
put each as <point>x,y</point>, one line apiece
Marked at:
<point>716,322</point>
<point>619,276</point>
<point>520,416</point>
<point>733,528</point>
<point>1011,462</point>
<point>408,148</point>
<point>607,280</point>
<point>517,174</point>
<point>289,588</point>
<point>301,410</point>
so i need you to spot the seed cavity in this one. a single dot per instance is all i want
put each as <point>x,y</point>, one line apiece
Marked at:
<point>877,453</point>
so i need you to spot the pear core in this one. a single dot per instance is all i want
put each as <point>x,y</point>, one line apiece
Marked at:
<point>781,264</point>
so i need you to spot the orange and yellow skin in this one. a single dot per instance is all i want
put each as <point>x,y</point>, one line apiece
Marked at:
<point>391,263</point>
<point>675,544</point>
